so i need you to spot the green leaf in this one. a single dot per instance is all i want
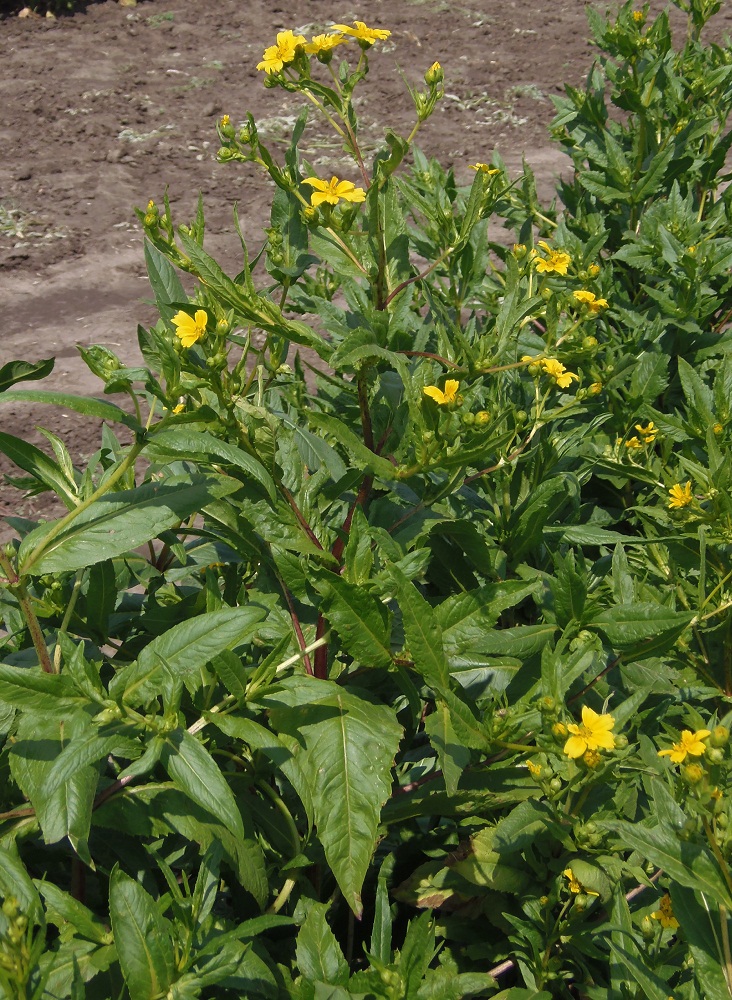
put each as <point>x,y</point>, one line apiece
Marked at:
<point>649,378</point>
<point>101,596</point>
<point>31,689</point>
<point>319,956</point>
<point>15,881</point>
<point>164,281</point>
<point>142,938</point>
<point>194,771</point>
<point>422,632</point>
<point>452,755</point>
<point>199,446</point>
<point>628,957</point>
<point>702,930</point>
<point>184,650</point>
<point>24,371</point>
<point>359,454</point>
<point>63,909</point>
<point>349,747</point>
<point>35,462</point>
<point>543,504</point>
<point>119,522</point>
<point>361,620</point>
<point>689,864</point>
<point>67,811</point>
<point>85,405</point>
<point>632,627</point>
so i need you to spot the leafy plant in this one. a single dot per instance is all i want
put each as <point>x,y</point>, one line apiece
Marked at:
<point>392,658</point>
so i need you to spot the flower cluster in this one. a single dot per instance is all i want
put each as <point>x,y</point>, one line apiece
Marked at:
<point>589,299</point>
<point>283,52</point>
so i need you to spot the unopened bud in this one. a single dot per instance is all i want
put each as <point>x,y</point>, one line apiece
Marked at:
<point>434,75</point>
<point>692,774</point>
<point>719,736</point>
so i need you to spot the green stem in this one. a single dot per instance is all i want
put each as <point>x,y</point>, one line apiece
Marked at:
<point>103,488</point>
<point>17,588</point>
<point>66,619</point>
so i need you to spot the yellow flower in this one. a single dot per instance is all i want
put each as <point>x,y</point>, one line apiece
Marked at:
<point>534,769</point>
<point>575,885</point>
<point>681,496</point>
<point>362,33</point>
<point>638,15</point>
<point>484,168</point>
<point>593,734</point>
<point>648,433</point>
<point>434,75</point>
<point>449,395</point>
<point>593,270</point>
<point>556,370</point>
<point>557,260</point>
<point>665,913</point>
<point>179,408</point>
<point>190,328</point>
<point>324,43</point>
<point>690,743</point>
<point>276,56</point>
<point>633,443</point>
<point>333,191</point>
<point>595,389</point>
<point>590,300</point>
<point>225,120</point>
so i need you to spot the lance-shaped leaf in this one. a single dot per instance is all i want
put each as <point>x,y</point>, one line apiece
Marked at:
<point>701,929</point>
<point>422,631</point>
<point>142,938</point>
<point>361,620</point>
<point>349,743</point>
<point>194,771</point>
<point>451,753</point>
<point>319,956</point>
<point>689,864</point>
<point>183,442</point>
<point>24,371</point>
<point>119,522</point>
<point>85,405</point>
<point>184,650</point>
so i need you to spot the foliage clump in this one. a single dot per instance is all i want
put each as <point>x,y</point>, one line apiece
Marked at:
<point>393,657</point>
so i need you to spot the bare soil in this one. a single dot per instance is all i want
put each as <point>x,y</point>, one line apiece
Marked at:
<point>113,104</point>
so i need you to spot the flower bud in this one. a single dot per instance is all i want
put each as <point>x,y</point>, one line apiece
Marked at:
<point>519,250</point>
<point>589,342</point>
<point>428,437</point>
<point>692,774</point>
<point>482,417</point>
<point>548,705</point>
<point>719,737</point>
<point>595,389</point>
<point>309,215</point>
<point>581,901</point>
<point>224,154</point>
<point>593,270</point>
<point>647,928</point>
<point>546,294</point>
<point>556,784</point>
<point>714,755</point>
<point>468,419</point>
<point>621,741</point>
<point>434,75</point>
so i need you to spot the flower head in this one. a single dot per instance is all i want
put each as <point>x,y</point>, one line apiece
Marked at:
<point>556,260</point>
<point>593,270</point>
<point>276,56</point>
<point>446,396</point>
<point>333,191</point>
<point>638,16</point>
<point>575,885</point>
<point>590,300</point>
<point>633,443</point>
<point>324,43</point>
<point>534,769</point>
<point>361,32</point>
<point>690,743</point>
<point>680,496</point>
<point>595,389</point>
<point>665,913</point>
<point>648,433</point>
<point>190,328</point>
<point>484,168</point>
<point>593,734</point>
<point>556,370</point>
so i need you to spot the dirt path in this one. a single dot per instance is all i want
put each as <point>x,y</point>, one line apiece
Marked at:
<point>104,109</point>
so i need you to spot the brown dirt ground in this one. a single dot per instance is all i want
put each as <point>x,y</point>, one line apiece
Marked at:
<point>105,108</point>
